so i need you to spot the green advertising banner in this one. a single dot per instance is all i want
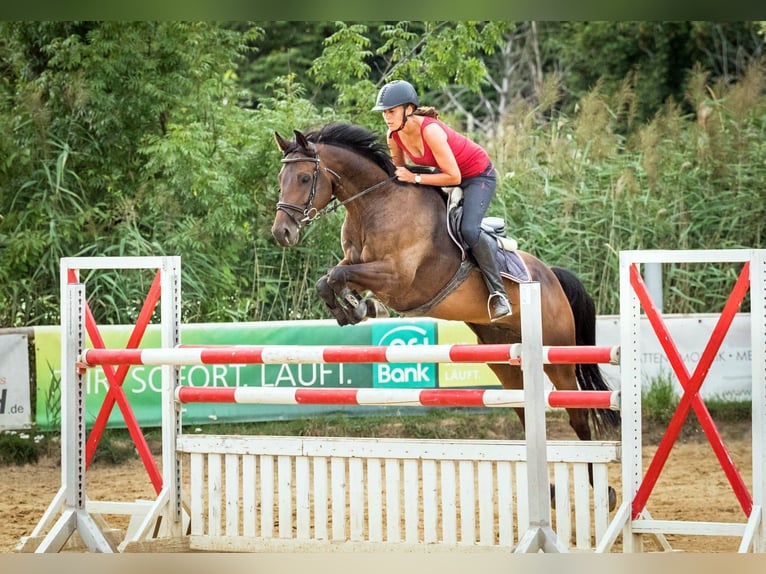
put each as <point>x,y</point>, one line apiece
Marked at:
<point>142,384</point>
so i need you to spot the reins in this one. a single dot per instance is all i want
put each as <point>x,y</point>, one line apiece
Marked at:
<point>311,214</point>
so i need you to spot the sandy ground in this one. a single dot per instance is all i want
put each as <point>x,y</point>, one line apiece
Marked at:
<point>692,487</point>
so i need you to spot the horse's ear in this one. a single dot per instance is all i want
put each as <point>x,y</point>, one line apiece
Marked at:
<point>281,142</point>
<point>302,141</point>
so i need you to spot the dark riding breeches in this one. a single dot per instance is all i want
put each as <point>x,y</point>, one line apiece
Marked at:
<point>478,191</point>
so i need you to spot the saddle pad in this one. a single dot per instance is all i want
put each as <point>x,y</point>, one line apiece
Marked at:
<point>510,265</point>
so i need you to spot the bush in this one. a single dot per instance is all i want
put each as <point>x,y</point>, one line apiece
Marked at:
<point>19,448</point>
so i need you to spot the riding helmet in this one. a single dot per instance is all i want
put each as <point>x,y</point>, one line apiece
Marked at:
<point>394,94</point>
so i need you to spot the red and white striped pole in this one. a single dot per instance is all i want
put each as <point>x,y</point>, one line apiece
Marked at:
<point>394,397</point>
<point>283,354</point>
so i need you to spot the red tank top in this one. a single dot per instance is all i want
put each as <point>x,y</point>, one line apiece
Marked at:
<point>470,156</point>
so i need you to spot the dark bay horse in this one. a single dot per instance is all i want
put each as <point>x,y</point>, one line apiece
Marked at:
<point>397,247</point>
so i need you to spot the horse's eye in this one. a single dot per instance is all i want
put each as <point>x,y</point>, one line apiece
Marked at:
<point>305,178</point>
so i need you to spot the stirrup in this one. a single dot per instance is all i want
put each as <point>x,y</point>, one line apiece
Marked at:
<point>501,307</point>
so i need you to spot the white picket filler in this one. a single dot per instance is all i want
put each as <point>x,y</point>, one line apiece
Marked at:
<point>632,519</point>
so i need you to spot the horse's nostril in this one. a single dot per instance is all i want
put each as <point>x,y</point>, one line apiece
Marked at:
<point>284,236</point>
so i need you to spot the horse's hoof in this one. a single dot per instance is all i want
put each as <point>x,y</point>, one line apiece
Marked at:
<point>612,499</point>
<point>376,309</point>
<point>340,316</point>
<point>360,312</point>
<point>350,298</point>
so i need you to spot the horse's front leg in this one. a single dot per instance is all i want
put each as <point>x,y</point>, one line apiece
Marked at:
<point>347,306</point>
<point>327,295</point>
<point>346,280</point>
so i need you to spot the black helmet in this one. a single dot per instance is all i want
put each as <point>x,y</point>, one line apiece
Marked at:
<point>394,94</point>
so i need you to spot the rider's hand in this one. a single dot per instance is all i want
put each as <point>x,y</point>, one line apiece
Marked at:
<point>405,175</point>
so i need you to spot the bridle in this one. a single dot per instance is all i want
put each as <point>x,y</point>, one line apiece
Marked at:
<point>307,212</point>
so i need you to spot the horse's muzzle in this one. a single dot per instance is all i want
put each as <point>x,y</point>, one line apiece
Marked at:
<point>285,235</point>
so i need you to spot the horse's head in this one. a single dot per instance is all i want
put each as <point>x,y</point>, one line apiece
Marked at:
<point>304,188</point>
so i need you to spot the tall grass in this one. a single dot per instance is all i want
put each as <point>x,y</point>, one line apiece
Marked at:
<point>577,190</point>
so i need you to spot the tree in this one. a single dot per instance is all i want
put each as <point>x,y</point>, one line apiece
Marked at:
<point>119,139</point>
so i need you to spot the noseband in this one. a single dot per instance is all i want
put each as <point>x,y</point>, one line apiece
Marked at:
<point>308,212</point>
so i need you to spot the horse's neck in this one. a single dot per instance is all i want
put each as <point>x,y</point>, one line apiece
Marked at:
<point>361,183</point>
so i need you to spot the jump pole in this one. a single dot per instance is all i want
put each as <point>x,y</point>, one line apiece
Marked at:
<point>305,354</point>
<point>513,398</point>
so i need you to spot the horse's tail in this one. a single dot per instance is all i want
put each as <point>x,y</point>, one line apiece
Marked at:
<point>589,376</point>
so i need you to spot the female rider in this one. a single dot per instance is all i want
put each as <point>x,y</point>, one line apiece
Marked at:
<point>417,133</point>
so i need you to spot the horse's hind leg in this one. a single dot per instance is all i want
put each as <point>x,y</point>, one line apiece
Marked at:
<point>563,378</point>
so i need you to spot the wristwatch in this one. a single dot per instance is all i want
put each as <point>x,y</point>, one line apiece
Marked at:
<point>418,178</point>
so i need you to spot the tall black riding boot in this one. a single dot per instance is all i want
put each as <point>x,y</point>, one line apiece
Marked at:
<point>484,252</point>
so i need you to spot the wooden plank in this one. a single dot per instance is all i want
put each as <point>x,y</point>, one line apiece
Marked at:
<point>467,491</point>
<point>321,499</point>
<point>197,490</point>
<point>356,493</point>
<point>411,502</point>
<point>374,500</point>
<point>430,506</point>
<point>214,508</point>
<point>232,494</point>
<point>338,484</point>
<point>495,450</point>
<point>563,503</point>
<point>302,498</point>
<point>285,495</point>
<point>582,506</point>
<point>486,485</point>
<point>249,481</point>
<point>393,500</point>
<point>449,501</point>
<point>267,496</point>
<point>505,504</point>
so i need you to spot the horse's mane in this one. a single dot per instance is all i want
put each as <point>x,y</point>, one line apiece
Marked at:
<point>357,138</point>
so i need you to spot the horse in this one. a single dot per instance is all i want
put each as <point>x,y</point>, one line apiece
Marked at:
<point>399,254</point>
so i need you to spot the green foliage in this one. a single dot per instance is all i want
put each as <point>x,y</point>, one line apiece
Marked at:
<point>52,400</point>
<point>576,192</point>
<point>140,138</point>
<point>114,448</point>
